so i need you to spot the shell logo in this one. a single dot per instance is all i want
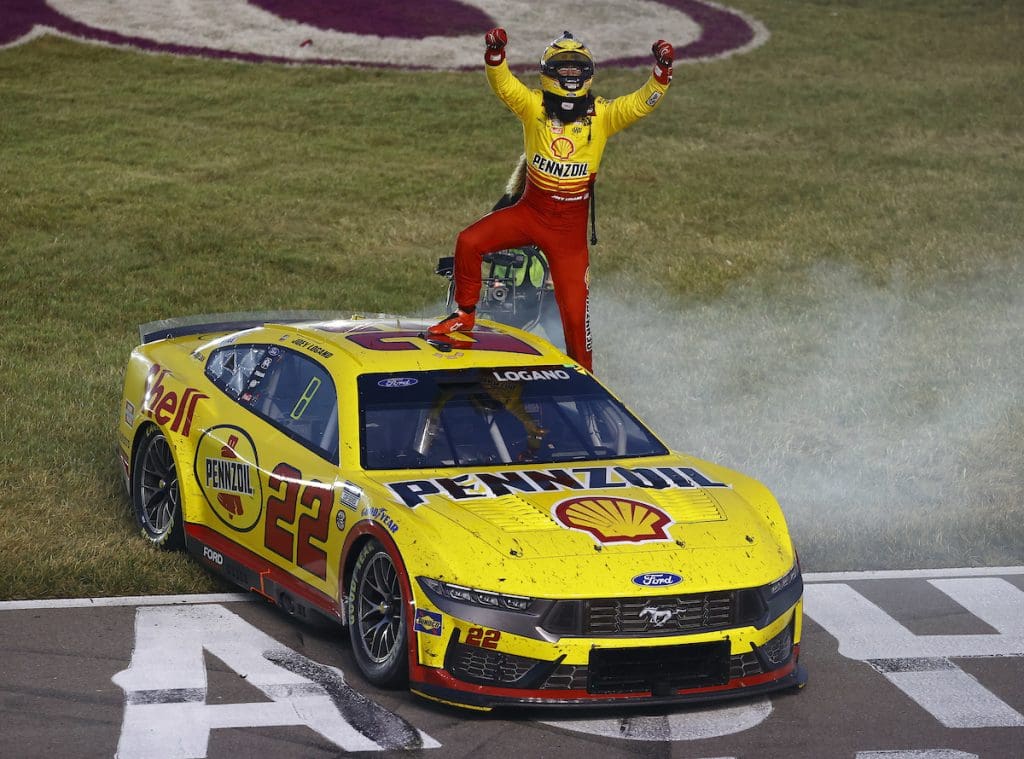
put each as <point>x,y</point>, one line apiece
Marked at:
<point>563,148</point>
<point>227,470</point>
<point>610,519</point>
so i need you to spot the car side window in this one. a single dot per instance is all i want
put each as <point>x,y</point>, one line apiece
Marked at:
<point>289,390</point>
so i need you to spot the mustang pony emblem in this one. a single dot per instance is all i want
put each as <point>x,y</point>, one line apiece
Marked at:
<point>658,617</point>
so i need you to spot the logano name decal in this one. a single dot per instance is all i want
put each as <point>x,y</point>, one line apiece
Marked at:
<point>496,484</point>
<point>164,405</point>
<point>531,375</point>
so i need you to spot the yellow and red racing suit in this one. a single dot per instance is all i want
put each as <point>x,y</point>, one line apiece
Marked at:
<point>562,162</point>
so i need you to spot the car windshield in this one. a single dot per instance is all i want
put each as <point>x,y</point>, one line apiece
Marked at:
<point>474,417</point>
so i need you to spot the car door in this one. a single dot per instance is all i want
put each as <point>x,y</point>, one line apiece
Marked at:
<point>270,475</point>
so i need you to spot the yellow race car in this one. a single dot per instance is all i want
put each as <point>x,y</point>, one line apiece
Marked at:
<point>491,524</point>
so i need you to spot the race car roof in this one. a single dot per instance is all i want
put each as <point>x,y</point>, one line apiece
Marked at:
<point>365,339</point>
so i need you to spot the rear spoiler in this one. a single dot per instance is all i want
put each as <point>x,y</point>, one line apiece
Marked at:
<point>164,329</point>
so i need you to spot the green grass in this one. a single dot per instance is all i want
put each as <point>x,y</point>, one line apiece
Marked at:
<point>883,144</point>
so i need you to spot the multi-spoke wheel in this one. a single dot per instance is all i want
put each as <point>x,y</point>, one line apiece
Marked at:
<point>155,495</point>
<point>377,617</point>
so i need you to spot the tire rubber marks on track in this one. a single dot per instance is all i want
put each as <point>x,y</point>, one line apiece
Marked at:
<point>166,715</point>
<point>921,665</point>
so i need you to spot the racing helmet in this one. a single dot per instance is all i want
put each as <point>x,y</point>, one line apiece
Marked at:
<point>567,68</point>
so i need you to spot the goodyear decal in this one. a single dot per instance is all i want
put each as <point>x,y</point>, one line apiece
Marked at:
<point>496,484</point>
<point>227,470</point>
<point>379,514</point>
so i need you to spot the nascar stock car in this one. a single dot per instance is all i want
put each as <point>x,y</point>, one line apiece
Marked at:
<point>491,524</point>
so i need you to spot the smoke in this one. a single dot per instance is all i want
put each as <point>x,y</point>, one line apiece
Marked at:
<point>887,419</point>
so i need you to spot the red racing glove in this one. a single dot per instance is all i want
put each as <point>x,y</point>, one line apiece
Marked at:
<point>496,39</point>
<point>664,54</point>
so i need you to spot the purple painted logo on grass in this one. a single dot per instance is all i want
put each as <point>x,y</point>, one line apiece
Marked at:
<point>429,34</point>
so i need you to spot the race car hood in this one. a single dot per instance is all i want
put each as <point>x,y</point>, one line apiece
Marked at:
<point>617,517</point>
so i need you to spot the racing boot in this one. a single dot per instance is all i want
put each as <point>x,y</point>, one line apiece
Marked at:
<point>460,321</point>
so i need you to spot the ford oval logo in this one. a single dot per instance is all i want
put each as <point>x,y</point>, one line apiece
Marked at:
<point>657,579</point>
<point>398,382</point>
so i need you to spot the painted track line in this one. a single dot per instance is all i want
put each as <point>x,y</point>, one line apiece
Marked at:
<point>82,603</point>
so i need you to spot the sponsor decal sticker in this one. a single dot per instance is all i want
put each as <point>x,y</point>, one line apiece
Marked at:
<point>380,514</point>
<point>428,622</point>
<point>312,347</point>
<point>507,482</point>
<point>562,148</point>
<point>350,495</point>
<point>530,375</point>
<point>227,470</point>
<point>398,382</point>
<point>611,520</point>
<point>657,579</point>
<point>560,170</point>
<point>169,407</point>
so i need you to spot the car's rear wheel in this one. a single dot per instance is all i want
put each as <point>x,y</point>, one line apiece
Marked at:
<point>156,499</point>
<point>378,625</point>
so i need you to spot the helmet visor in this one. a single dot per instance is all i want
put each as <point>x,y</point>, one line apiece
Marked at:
<point>571,70</point>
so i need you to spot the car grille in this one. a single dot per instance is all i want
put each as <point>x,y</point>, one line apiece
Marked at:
<point>486,667</point>
<point>661,615</point>
<point>662,670</point>
<point>576,676</point>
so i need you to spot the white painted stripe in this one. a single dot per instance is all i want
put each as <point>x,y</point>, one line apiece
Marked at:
<point>907,574</point>
<point>956,699</point>
<point>80,603</point>
<point>865,631</point>
<point>992,600</point>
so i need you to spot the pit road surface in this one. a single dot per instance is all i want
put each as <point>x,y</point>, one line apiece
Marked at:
<point>922,664</point>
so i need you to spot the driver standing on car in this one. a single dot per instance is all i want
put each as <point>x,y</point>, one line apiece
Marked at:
<point>565,129</point>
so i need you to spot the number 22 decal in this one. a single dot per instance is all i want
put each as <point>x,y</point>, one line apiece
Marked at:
<point>292,539</point>
<point>478,636</point>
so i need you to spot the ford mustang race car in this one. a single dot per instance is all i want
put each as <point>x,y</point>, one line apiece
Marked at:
<point>491,524</point>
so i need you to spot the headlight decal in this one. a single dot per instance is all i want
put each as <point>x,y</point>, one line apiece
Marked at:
<point>476,597</point>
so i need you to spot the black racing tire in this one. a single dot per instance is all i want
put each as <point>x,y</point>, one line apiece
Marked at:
<point>156,498</point>
<point>377,621</point>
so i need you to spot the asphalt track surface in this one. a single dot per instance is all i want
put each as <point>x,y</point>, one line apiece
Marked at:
<point>925,664</point>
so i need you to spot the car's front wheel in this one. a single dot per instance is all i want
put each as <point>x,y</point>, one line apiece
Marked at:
<point>377,617</point>
<point>156,498</point>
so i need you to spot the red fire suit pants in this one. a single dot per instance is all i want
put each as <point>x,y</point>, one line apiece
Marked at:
<point>557,227</point>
